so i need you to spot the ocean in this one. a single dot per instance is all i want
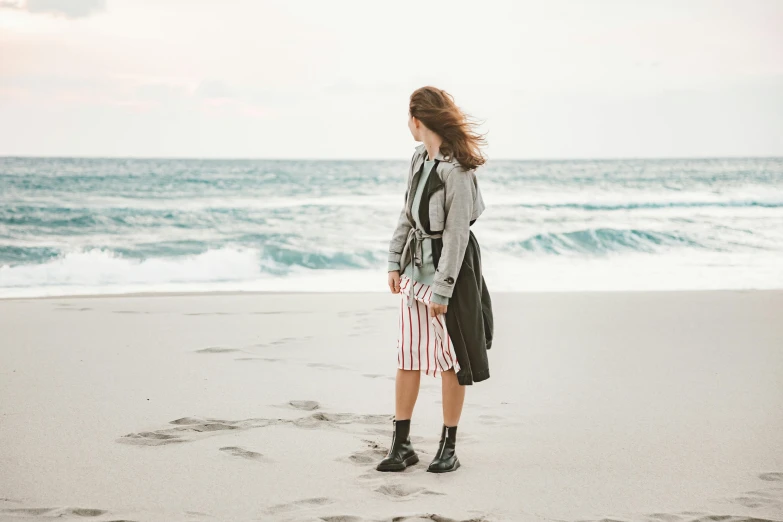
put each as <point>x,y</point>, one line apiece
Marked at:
<point>98,226</point>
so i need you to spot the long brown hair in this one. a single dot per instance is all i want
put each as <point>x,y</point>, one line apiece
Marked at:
<point>436,109</point>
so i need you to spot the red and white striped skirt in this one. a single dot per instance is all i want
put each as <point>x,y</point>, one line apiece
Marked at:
<point>423,342</point>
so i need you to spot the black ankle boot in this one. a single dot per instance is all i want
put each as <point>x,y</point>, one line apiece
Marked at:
<point>446,458</point>
<point>401,454</point>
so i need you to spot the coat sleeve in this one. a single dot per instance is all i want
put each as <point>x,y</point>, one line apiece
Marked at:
<point>398,240</point>
<point>437,298</point>
<point>400,233</point>
<point>459,197</point>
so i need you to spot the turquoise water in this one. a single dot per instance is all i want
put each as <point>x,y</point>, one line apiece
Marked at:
<point>72,226</point>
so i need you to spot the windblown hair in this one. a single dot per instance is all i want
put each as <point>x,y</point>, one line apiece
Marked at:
<point>436,109</point>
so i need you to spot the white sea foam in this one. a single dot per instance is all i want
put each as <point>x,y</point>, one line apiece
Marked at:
<point>227,269</point>
<point>103,268</point>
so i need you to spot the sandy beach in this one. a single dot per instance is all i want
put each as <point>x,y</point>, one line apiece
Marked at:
<point>276,406</point>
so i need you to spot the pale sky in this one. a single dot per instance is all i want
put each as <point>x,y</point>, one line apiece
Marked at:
<point>331,79</point>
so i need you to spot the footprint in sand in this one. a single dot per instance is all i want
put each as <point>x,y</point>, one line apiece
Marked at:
<point>286,340</point>
<point>373,375</point>
<point>265,359</point>
<point>729,518</point>
<point>320,419</point>
<point>217,349</point>
<point>327,366</point>
<point>371,455</point>
<point>150,438</point>
<point>433,518</point>
<point>352,313</point>
<point>31,512</point>
<point>236,451</point>
<point>765,497</point>
<point>287,312</point>
<point>759,499</point>
<point>378,376</point>
<point>404,491</point>
<point>55,512</point>
<point>304,405</point>
<point>690,516</point>
<point>189,428</point>
<point>365,457</point>
<point>300,504</point>
<point>492,419</point>
<point>664,517</point>
<point>282,340</point>
<point>605,519</point>
<point>83,512</point>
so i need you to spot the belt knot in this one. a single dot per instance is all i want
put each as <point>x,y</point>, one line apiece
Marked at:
<point>413,249</point>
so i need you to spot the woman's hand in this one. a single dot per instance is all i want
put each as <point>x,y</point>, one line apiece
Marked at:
<point>436,309</point>
<point>394,286</point>
<point>394,281</point>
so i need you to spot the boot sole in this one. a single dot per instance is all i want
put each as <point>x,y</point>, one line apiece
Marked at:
<point>456,465</point>
<point>410,461</point>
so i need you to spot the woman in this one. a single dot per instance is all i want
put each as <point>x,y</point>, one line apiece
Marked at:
<point>445,321</point>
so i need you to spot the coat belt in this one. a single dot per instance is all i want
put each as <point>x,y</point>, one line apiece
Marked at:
<point>413,249</point>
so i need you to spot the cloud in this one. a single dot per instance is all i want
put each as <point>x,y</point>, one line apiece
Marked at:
<point>67,8</point>
<point>214,89</point>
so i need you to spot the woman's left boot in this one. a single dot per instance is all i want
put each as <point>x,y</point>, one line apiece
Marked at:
<point>446,458</point>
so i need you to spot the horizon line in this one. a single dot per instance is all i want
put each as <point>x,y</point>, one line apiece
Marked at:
<point>314,159</point>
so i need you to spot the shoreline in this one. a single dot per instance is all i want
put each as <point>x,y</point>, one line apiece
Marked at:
<point>311,292</point>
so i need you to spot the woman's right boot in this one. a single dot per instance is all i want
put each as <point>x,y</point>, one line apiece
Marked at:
<point>401,454</point>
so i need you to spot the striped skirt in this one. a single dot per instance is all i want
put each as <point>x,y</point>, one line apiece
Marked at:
<point>423,342</point>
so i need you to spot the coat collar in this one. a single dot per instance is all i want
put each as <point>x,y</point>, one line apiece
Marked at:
<point>421,149</point>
